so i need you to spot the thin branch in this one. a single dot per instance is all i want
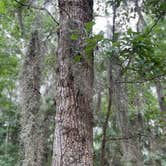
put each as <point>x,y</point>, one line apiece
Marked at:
<point>51,16</point>
<point>38,8</point>
<point>126,137</point>
<point>29,5</point>
<point>141,81</point>
<point>155,24</point>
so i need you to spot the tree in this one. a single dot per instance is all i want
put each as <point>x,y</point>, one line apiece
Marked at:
<point>160,95</point>
<point>73,132</point>
<point>30,104</point>
<point>128,125</point>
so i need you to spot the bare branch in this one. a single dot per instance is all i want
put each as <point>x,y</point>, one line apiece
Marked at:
<point>127,137</point>
<point>38,8</point>
<point>155,24</point>
<point>141,81</point>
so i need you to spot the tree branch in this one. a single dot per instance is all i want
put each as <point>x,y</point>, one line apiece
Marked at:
<point>127,137</point>
<point>141,81</point>
<point>156,22</point>
<point>38,8</point>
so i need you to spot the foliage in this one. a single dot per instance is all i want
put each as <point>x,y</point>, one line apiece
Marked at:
<point>141,58</point>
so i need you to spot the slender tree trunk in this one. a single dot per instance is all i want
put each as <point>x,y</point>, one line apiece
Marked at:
<point>104,135</point>
<point>30,103</point>
<point>160,95</point>
<point>73,132</point>
<point>105,125</point>
<point>155,143</point>
<point>131,148</point>
<point>20,20</point>
<point>98,103</point>
<point>130,145</point>
<point>110,93</point>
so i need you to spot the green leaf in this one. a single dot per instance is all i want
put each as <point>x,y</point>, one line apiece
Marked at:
<point>74,36</point>
<point>77,58</point>
<point>2,7</point>
<point>89,25</point>
<point>98,37</point>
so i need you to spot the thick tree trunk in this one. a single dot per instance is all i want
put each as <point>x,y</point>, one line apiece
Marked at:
<point>73,132</point>
<point>30,104</point>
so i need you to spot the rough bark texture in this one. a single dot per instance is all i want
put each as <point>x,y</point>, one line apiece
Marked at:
<point>42,136</point>
<point>73,132</point>
<point>30,104</point>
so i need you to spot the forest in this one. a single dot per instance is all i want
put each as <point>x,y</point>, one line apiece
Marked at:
<point>82,83</point>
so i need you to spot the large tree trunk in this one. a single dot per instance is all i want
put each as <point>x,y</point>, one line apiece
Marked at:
<point>30,104</point>
<point>73,132</point>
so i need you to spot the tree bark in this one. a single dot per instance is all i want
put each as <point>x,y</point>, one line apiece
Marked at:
<point>30,103</point>
<point>73,131</point>
<point>160,95</point>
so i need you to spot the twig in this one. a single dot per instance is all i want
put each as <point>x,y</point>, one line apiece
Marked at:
<point>127,137</point>
<point>153,26</point>
<point>29,5</point>
<point>38,8</point>
<point>143,81</point>
<point>51,16</point>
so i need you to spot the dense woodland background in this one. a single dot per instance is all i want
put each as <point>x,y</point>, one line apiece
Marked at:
<point>117,56</point>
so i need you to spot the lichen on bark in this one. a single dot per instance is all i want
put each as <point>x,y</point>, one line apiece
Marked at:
<point>30,103</point>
